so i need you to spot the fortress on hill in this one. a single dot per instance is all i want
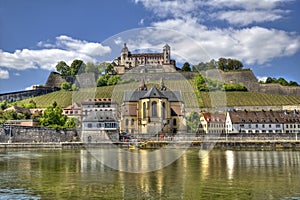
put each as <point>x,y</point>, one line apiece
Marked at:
<point>146,62</point>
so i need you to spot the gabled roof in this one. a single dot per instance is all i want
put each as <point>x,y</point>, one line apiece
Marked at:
<point>154,93</point>
<point>256,117</point>
<point>214,118</point>
<point>136,95</point>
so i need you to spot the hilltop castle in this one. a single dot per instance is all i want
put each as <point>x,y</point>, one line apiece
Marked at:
<point>146,62</point>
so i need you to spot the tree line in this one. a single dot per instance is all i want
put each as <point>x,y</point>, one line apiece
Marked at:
<point>280,81</point>
<point>225,64</point>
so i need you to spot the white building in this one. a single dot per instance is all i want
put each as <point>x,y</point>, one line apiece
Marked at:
<point>254,122</point>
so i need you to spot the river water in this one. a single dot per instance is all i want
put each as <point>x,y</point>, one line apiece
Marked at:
<point>76,174</point>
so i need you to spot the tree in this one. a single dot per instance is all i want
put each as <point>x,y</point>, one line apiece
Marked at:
<point>63,68</point>
<point>76,66</point>
<point>3,105</point>
<point>71,122</point>
<point>91,68</point>
<point>186,67</point>
<point>53,117</point>
<point>200,82</point>
<point>113,80</point>
<point>229,64</point>
<point>193,120</point>
<point>109,69</point>
<point>74,87</point>
<point>65,86</point>
<point>31,104</point>
<point>102,81</point>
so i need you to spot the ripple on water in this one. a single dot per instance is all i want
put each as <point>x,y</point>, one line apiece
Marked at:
<point>18,194</point>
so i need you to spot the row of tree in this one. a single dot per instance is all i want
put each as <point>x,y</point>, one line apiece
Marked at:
<point>225,64</point>
<point>51,117</point>
<point>78,66</point>
<point>280,80</point>
<point>209,84</point>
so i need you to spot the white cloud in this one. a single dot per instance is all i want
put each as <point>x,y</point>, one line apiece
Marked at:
<point>252,45</point>
<point>17,74</point>
<point>255,45</point>
<point>267,10</point>
<point>4,74</point>
<point>65,48</point>
<point>243,18</point>
<point>262,78</point>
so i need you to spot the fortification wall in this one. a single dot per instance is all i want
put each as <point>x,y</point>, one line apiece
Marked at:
<point>19,134</point>
<point>279,89</point>
<point>20,95</point>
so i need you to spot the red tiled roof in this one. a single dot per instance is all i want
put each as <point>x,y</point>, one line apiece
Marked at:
<point>214,118</point>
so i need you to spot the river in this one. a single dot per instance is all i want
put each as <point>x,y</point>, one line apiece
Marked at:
<point>76,174</point>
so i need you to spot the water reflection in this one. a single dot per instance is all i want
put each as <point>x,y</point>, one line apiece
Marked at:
<point>58,174</point>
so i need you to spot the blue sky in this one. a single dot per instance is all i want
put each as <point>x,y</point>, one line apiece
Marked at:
<point>35,35</point>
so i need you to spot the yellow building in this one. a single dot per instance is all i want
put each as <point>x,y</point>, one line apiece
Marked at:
<point>152,111</point>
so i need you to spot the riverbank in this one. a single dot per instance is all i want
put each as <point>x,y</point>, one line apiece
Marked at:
<point>223,145</point>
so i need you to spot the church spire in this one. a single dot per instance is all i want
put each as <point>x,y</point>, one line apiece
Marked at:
<point>142,85</point>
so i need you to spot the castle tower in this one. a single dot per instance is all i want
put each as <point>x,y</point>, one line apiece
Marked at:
<point>167,54</point>
<point>124,54</point>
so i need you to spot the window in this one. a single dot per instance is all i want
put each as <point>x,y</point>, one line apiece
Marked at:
<point>144,110</point>
<point>89,125</point>
<point>277,125</point>
<point>263,126</point>
<point>163,111</point>
<point>154,109</point>
<point>270,126</point>
<point>126,122</point>
<point>132,122</point>
<point>256,126</point>
<point>174,122</point>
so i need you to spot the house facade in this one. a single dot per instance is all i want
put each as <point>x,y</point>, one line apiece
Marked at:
<point>262,122</point>
<point>212,123</point>
<point>152,111</point>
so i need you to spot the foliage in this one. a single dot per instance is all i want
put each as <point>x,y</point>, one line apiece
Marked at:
<point>73,70</point>
<point>71,122</point>
<point>229,64</point>
<point>3,105</point>
<point>186,67</point>
<point>53,117</point>
<point>91,68</point>
<point>113,80</point>
<point>234,87</point>
<point>193,120</point>
<point>74,87</point>
<point>65,86</point>
<point>76,66</point>
<point>205,66</point>
<point>30,104</point>
<point>109,69</point>
<point>280,81</point>
<point>102,80</point>
<point>63,68</point>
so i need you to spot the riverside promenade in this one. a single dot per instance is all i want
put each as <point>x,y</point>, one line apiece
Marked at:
<point>232,143</point>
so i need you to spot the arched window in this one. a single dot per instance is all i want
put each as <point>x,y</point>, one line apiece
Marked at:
<point>154,109</point>
<point>126,122</point>
<point>174,122</point>
<point>132,122</point>
<point>163,110</point>
<point>144,110</point>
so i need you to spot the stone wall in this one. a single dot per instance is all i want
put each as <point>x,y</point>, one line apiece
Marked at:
<point>20,95</point>
<point>55,80</point>
<point>18,134</point>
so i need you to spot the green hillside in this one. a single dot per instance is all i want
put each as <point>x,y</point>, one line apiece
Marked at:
<point>65,98</point>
